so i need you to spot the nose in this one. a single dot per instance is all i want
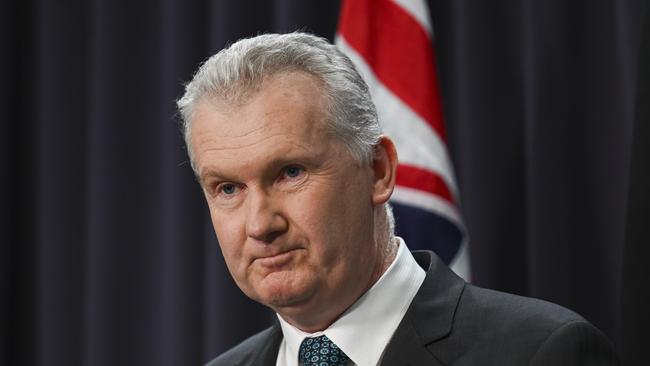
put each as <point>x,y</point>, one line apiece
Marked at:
<point>265,221</point>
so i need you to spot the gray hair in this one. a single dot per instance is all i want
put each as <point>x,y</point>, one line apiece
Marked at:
<point>237,71</point>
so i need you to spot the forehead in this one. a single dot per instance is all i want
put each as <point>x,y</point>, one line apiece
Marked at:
<point>286,113</point>
<point>285,100</point>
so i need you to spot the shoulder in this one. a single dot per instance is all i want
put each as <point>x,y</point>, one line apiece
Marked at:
<point>511,312</point>
<point>462,324</point>
<point>245,352</point>
<point>575,343</point>
<point>530,331</point>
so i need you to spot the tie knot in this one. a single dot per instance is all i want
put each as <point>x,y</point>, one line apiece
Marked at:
<point>321,351</point>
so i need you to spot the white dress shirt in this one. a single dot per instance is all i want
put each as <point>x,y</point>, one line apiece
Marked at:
<point>364,330</point>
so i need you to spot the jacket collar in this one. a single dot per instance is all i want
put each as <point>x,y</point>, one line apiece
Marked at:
<point>430,316</point>
<point>267,353</point>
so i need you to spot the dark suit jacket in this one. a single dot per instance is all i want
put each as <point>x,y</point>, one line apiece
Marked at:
<point>451,322</point>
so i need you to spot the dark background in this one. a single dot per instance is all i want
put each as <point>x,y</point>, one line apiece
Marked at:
<point>107,255</point>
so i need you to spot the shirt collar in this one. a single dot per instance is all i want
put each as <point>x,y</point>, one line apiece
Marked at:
<point>364,330</point>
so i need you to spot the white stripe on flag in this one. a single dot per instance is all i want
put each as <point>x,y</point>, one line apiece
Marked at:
<point>428,202</point>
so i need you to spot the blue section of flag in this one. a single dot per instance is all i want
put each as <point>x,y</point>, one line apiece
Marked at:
<point>423,229</point>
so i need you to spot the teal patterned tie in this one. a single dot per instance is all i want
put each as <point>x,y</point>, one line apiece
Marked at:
<point>321,351</point>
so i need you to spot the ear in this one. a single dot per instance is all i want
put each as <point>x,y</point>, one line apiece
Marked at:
<point>384,166</point>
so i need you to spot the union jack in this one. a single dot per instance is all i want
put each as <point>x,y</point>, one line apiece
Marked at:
<point>390,43</point>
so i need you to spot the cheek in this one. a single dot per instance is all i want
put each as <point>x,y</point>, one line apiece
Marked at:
<point>231,239</point>
<point>329,222</point>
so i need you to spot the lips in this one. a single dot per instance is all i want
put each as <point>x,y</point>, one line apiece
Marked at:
<point>277,260</point>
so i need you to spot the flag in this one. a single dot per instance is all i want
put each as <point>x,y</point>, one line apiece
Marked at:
<point>391,44</point>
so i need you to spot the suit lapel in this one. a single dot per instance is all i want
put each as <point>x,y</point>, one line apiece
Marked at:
<point>267,353</point>
<point>407,348</point>
<point>429,317</point>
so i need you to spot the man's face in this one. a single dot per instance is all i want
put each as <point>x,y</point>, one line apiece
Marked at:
<point>293,211</point>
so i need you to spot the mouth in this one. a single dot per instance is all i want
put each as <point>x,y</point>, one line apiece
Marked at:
<point>277,261</point>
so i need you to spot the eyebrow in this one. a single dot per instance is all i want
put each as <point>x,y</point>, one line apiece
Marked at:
<point>309,160</point>
<point>210,173</point>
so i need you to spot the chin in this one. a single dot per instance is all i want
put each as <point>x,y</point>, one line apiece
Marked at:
<point>284,296</point>
<point>283,288</point>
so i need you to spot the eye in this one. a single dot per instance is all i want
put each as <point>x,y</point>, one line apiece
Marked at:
<point>293,171</point>
<point>227,189</point>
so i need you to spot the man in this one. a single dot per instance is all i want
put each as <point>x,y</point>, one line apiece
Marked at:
<point>285,142</point>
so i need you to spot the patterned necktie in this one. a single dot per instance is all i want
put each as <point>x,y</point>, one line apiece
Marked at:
<point>321,351</point>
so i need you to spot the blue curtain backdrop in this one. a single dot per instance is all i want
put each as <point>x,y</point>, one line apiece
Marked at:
<point>107,254</point>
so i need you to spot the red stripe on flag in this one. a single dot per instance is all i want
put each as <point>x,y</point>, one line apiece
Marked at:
<point>423,180</point>
<point>399,51</point>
